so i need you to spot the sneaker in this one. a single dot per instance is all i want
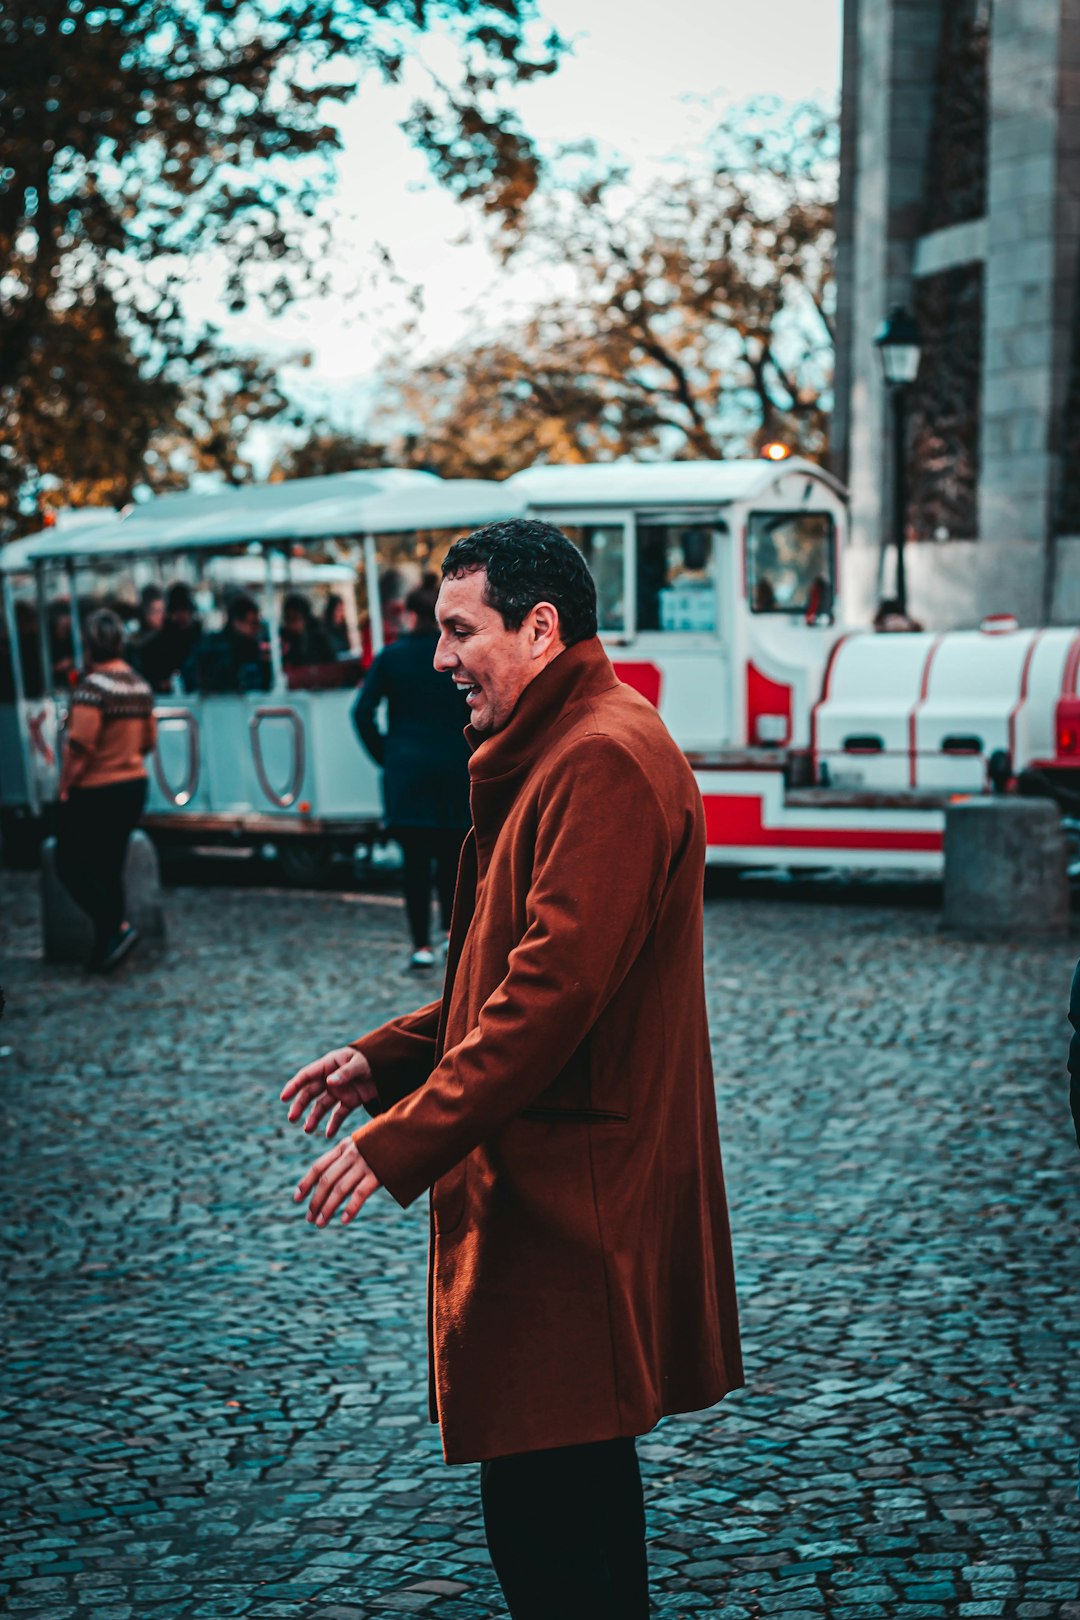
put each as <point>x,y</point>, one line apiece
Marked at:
<point>119,946</point>
<point>422,959</point>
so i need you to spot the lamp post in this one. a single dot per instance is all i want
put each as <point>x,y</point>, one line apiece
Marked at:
<point>899,346</point>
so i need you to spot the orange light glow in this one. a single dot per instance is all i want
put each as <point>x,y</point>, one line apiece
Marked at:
<point>775,451</point>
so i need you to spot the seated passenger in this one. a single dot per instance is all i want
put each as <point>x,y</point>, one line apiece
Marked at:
<point>696,548</point>
<point>62,644</point>
<point>162,653</point>
<point>337,628</point>
<point>235,659</point>
<point>303,642</point>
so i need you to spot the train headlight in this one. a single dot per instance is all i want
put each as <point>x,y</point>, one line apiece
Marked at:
<point>1067,726</point>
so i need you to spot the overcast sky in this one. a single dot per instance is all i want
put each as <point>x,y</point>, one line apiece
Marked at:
<point>646,89</point>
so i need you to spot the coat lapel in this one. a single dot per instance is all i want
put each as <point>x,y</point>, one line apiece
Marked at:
<point>501,764</point>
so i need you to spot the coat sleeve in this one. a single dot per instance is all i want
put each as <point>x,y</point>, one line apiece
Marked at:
<point>368,699</point>
<point>593,898</point>
<point>401,1054</point>
<point>1074,1053</point>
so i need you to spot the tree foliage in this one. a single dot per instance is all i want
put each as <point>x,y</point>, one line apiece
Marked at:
<point>138,134</point>
<point>695,321</point>
<point>326,449</point>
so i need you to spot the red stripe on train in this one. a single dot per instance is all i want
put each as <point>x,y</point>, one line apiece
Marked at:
<point>735,820</point>
<point>646,678</point>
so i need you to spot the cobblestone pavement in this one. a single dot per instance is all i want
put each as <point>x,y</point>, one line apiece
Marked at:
<point>213,1410</point>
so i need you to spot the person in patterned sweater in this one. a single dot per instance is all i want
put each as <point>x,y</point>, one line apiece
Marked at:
<point>111,729</point>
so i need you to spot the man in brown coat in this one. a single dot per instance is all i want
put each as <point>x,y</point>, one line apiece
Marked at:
<point>557,1101</point>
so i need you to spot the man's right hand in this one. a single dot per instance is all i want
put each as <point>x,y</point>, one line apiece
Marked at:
<point>340,1081</point>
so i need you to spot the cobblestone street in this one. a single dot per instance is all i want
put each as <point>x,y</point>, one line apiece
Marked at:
<point>211,1409</point>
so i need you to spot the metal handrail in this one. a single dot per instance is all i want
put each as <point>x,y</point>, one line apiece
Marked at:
<point>184,795</point>
<point>288,797</point>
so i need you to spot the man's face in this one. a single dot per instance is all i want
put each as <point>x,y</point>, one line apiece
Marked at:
<point>294,624</point>
<point>155,614</point>
<point>491,664</point>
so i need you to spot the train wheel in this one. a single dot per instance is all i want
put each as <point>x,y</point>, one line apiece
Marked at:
<point>305,863</point>
<point>1070,826</point>
<point>21,837</point>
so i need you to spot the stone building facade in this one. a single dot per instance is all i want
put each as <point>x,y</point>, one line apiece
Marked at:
<point>960,198</point>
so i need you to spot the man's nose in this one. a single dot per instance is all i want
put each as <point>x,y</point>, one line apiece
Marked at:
<point>444,658</point>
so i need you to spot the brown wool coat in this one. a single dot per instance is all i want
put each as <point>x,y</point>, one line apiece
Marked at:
<point>558,1101</point>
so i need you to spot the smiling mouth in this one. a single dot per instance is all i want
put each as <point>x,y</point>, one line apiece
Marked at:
<point>471,691</point>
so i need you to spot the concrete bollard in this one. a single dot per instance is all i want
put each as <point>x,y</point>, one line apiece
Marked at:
<point>66,930</point>
<point>1005,870</point>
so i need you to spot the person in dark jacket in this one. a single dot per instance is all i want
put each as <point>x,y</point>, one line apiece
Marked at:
<point>425,761</point>
<point>161,653</point>
<point>235,659</point>
<point>303,642</point>
<point>1074,1053</point>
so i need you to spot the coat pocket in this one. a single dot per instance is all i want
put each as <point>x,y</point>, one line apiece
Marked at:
<point>449,1197</point>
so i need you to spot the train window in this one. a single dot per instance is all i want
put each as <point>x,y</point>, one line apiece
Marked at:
<point>789,563</point>
<point>602,545</point>
<point>676,576</point>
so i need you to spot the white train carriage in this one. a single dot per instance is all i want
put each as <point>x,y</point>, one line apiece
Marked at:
<point>721,600</point>
<point>721,597</point>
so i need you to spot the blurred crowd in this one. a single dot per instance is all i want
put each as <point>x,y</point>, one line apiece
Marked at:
<point>168,644</point>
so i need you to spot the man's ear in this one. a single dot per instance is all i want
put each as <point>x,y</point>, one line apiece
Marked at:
<point>544,627</point>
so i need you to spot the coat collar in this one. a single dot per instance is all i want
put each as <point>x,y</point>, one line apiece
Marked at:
<point>578,674</point>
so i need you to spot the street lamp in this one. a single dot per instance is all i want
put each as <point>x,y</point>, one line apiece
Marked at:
<point>899,345</point>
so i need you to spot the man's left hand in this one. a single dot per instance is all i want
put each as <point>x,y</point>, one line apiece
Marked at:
<point>340,1175</point>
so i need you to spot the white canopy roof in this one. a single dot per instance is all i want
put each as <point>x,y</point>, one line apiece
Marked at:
<point>385,501</point>
<point>297,571</point>
<point>658,483</point>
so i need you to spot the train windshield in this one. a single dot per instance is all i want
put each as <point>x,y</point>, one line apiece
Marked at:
<point>790,562</point>
<point>674,573</point>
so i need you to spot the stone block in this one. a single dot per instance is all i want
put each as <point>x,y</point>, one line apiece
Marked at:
<point>67,934</point>
<point>1066,604</point>
<point>1005,870</point>
<point>1026,389</point>
<point>1025,348</point>
<point>1034,176</point>
<point>1007,515</point>
<point>1021,263</point>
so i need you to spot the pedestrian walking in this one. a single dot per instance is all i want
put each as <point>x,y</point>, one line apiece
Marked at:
<point>557,1100</point>
<point>425,762</point>
<point>110,730</point>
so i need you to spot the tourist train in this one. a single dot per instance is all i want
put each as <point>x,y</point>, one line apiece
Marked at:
<point>721,599</point>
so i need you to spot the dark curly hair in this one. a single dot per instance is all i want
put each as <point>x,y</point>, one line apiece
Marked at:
<point>528,562</point>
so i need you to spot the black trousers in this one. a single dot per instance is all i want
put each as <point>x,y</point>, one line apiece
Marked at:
<point>566,1532</point>
<point>91,841</point>
<point>431,859</point>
